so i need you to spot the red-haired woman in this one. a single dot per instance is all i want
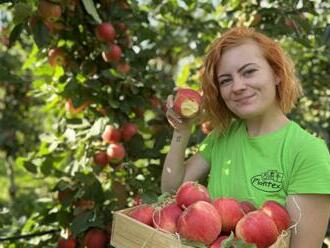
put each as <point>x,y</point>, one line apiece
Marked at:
<point>255,152</point>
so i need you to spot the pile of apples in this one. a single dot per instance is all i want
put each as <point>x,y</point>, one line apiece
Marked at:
<point>195,217</point>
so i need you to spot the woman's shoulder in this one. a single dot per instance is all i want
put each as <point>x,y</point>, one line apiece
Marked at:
<point>304,139</point>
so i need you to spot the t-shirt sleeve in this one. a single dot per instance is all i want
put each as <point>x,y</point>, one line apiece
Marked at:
<point>205,148</point>
<point>311,169</point>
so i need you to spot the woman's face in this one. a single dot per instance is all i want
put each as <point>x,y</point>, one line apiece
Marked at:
<point>246,81</point>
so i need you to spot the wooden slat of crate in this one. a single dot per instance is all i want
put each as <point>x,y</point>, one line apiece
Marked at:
<point>129,233</point>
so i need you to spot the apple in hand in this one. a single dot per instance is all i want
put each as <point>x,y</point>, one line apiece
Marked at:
<point>116,153</point>
<point>105,32</point>
<point>187,103</point>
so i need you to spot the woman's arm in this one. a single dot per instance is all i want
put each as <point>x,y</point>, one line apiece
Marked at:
<point>176,170</point>
<point>311,213</point>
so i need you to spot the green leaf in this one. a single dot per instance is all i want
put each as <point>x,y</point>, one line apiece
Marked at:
<point>90,8</point>
<point>98,127</point>
<point>15,34</point>
<point>30,167</point>
<point>84,221</point>
<point>41,34</point>
<point>22,11</point>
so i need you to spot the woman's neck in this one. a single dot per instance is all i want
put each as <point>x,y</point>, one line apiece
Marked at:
<point>266,124</point>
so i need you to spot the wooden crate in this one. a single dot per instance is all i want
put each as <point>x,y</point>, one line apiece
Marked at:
<point>129,233</point>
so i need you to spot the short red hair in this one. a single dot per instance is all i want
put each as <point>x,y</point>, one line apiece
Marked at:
<point>288,90</point>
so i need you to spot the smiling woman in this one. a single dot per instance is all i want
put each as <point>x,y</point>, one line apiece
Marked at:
<point>255,152</point>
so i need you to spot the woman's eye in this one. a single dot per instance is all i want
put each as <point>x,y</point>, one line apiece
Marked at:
<point>224,81</point>
<point>249,72</point>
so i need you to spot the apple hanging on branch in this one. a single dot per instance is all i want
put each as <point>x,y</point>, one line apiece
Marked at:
<point>105,32</point>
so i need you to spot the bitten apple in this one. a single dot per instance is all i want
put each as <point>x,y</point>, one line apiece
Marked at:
<point>187,103</point>
<point>112,54</point>
<point>278,213</point>
<point>56,57</point>
<point>105,32</point>
<point>111,134</point>
<point>116,153</point>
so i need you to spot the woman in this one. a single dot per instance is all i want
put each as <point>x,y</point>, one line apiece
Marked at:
<point>254,152</point>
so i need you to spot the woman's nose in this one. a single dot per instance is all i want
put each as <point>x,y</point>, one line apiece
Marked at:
<point>238,84</point>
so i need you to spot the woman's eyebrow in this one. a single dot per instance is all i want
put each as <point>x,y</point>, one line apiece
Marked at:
<point>239,70</point>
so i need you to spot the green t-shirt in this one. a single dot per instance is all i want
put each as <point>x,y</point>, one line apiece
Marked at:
<point>267,167</point>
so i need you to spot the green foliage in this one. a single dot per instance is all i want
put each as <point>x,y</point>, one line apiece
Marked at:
<point>53,117</point>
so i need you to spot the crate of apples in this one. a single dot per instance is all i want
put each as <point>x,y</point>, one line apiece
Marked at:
<point>190,218</point>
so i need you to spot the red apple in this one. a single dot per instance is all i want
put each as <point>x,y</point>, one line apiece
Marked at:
<point>230,211</point>
<point>56,57</point>
<point>116,153</point>
<point>167,217</point>
<point>278,213</point>
<point>49,11</point>
<point>96,238</point>
<point>111,134</point>
<point>112,54</point>
<point>143,214</point>
<point>187,103</point>
<point>257,228</point>
<point>200,222</point>
<point>247,206</point>
<point>101,158</point>
<point>190,192</point>
<point>105,32</point>
<point>123,68</point>
<point>128,130</point>
<point>66,243</point>
<point>219,241</point>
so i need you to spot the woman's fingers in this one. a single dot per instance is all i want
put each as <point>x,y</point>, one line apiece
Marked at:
<point>173,116</point>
